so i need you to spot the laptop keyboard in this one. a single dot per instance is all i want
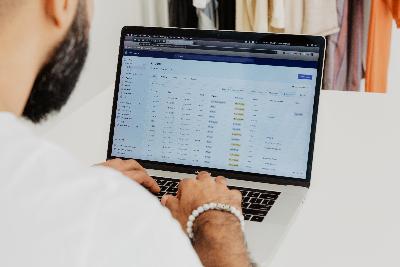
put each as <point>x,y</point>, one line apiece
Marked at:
<point>255,204</point>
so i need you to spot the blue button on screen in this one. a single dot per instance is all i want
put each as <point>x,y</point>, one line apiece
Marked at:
<point>305,77</point>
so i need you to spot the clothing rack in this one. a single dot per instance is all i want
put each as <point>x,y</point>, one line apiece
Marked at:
<point>358,31</point>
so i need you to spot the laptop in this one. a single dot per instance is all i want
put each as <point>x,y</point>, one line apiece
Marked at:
<point>240,105</point>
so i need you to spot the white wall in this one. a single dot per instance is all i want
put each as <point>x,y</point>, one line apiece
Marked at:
<point>394,70</point>
<point>110,17</point>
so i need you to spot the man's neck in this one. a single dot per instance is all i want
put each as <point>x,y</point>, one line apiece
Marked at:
<point>19,66</point>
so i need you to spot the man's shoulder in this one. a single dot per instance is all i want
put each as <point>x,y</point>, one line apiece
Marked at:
<point>23,152</point>
<point>29,160</point>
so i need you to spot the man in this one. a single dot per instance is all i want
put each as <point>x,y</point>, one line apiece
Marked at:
<point>55,212</point>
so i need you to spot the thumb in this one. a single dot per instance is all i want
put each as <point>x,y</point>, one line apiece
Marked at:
<point>172,203</point>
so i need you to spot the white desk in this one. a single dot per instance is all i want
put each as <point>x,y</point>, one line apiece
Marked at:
<point>351,216</point>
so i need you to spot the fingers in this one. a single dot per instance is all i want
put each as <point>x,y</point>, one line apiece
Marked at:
<point>123,165</point>
<point>131,164</point>
<point>172,203</point>
<point>151,184</point>
<point>183,183</point>
<point>237,198</point>
<point>144,179</point>
<point>203,176</point>
<point>221,180</point>
<point>132,169</point>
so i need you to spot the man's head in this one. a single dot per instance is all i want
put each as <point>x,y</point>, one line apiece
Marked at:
<point>65,28</point>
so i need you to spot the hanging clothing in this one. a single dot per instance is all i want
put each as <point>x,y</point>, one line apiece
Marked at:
<point>278,14</point>
<point>182,14</point>
<point>367,16</point>
<point>343,67</point>
<point>314,17</point>
<point>355,46</point>
<point>383,12</point>
<point>320,17</point>
<point>155,13</point>
<point>207,13</point>
<point>252,15</point>
<point>226,14</point>
<point>294,15</point>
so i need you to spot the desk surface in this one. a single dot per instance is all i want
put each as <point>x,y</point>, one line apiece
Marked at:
<point>351,216</point>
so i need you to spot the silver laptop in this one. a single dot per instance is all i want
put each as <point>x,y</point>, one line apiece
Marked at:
<point>241,105</point>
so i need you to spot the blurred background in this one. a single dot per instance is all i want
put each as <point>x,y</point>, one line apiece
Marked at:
<point>347,29</point>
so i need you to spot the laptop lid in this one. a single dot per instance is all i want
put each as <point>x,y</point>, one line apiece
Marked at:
<point>242,105</point>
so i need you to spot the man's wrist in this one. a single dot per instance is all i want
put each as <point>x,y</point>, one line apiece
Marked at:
<point>218,238</point>
<point>215,224</point>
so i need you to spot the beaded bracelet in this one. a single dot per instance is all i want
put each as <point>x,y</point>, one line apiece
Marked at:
<point>212,206</point>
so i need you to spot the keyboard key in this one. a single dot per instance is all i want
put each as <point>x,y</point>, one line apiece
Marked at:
<point>257,206</point>
<point>164,188</point>
<point>245,205</point>
<point>254,194</point>
<point>247,217</point>
<point>264,195</point>
<point>257,219</point>
<point>257,200</point>
<point>269,195</point>
<point>161,182</point>
<point>246,200</point>
<point>261,213</point>
<point>268,202</point>
<point>251,211</point>
<point>172,190</point>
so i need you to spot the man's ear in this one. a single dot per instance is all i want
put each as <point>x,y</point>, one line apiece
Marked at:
<point>61,12</point>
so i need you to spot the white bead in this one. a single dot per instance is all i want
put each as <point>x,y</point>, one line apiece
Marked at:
<point>191,218</point>
<point>200,209</point>
<point>189,224</point>
<point>195,213</point>
<point>213,205</point>
<point>206,207</point>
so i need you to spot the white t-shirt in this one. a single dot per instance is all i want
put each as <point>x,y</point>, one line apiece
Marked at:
<point>56,212</point>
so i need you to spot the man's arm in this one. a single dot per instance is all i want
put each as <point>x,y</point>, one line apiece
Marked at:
<point>220,241</point>
<point>218,238</point>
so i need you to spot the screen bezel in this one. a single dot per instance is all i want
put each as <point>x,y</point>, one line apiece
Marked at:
<point>231,35</point>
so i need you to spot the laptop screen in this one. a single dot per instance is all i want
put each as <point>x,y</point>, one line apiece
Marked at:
<point>237,105</point>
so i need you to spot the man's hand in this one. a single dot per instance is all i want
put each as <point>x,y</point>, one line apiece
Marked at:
<point>133,170</point>
<point>218,238</point>
<point>193,193</point>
